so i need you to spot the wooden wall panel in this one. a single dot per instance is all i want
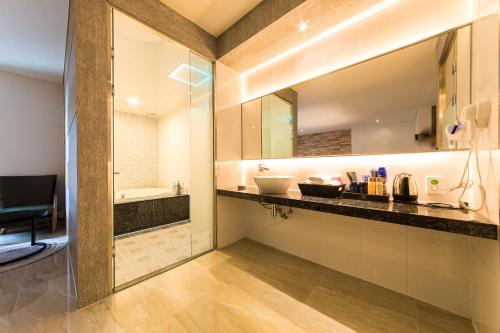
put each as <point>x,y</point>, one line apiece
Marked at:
<point>257,19</point>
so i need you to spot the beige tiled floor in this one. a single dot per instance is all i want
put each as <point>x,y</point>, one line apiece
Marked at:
<point>37,297</point>
<point>246,287</point>
<point>144,253</point>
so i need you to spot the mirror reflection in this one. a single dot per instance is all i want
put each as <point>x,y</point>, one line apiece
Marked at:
<point>401,102</point>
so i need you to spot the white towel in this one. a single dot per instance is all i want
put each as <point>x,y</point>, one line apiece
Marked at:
<point>320,179</point>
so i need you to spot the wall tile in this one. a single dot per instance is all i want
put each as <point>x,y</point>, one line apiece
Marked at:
<point>136,150</point>
<point>475,305</point>
<point>259,227</point>
<point>424,19</point>
<point>438,272</point>
<point>312,236</point>
<point>419,165</point>
<point>485,58</point>
<point>228,122</point>
<point>383,31</point>
<point>343,250</point>
<point>428,265</point>
<point>231,225</point>
<point>488,251</point>
<point>384,258</point>
<point>286,69</point>
<point>227,86</point>
<point>486,7</point>
<point>439,235</point>
<point>285,233</point>
<point>229,174</point>
<point>486,306</point>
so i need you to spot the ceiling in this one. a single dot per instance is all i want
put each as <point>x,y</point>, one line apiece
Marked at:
<point>283,34</point>
<point>389,89</point>
<point>153,70</point>
<point>214,16</point>
<point>33,38</point>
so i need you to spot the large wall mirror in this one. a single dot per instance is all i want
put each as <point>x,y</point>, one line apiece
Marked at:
<point>401,102</point>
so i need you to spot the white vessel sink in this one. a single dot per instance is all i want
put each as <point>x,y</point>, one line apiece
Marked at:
<point>273,184</point>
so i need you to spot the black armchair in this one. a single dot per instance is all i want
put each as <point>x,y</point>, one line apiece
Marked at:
<point>22,194</point>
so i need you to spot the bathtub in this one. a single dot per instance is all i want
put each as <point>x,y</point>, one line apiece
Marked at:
<point>144,208</point>
<point>141,194</point>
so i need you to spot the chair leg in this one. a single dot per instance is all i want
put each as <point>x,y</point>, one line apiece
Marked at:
<point>54,222</point>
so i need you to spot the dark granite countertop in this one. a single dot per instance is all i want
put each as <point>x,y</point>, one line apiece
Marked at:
<point>440,219</point>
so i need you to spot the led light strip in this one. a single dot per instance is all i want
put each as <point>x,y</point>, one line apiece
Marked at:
<point>341,26</point>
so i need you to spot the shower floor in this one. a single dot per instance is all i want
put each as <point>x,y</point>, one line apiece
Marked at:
<point>143,253</point>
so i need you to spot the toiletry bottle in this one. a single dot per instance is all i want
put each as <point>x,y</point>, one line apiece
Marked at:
<point>364,184</point>
<point>382,179</point>
<point>372,182</point>
<point>379,186</point>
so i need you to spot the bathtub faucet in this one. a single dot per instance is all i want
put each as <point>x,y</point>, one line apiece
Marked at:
<point>177,188</point>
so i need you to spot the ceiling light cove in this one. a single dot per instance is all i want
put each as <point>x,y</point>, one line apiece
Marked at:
<point>191,75</point>
<point>382,5</point>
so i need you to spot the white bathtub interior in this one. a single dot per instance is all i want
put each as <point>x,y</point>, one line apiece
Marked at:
<point>141,194</point>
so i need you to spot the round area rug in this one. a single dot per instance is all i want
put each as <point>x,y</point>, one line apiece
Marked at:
<point>7,253</point>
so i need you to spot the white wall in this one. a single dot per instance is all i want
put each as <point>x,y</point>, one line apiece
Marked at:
<point>173,147</point>
<point>228,113</point>
<point>448,165</point>
<point>32,128</point>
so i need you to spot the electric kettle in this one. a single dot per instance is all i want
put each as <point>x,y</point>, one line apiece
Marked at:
<point>404,188</point>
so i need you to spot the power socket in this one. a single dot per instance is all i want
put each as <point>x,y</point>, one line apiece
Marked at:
<point>434,185</point>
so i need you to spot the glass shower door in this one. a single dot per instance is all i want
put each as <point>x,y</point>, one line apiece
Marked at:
<point>163,152</point>
<point>202,155</point>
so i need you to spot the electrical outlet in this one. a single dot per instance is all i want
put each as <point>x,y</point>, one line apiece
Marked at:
<point>434,185</point>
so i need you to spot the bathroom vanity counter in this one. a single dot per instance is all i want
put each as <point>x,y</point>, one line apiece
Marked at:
<point>440,219</point>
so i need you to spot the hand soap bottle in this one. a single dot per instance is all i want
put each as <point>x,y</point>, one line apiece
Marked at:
<point>372,182</point>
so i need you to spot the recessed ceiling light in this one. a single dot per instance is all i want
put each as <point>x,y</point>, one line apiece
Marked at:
<point>377,121</point>
<point>190,75</point>
<point>133,101</point>
<point>303,26</point>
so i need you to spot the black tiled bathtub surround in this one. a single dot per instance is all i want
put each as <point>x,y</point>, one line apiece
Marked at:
<point>448,220</point>
<point>139,215</point>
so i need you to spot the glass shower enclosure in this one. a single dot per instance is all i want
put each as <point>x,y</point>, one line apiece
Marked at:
<point>162,152</point>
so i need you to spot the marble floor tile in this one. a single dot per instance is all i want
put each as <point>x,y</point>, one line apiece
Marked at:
<point>245,287</point>
<point>431,319</point>
<point>141,254</point>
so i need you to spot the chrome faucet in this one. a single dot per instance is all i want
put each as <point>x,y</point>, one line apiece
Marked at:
<point>262,168</point>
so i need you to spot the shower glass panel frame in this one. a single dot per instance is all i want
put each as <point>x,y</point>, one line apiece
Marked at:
<point>163,137</point>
